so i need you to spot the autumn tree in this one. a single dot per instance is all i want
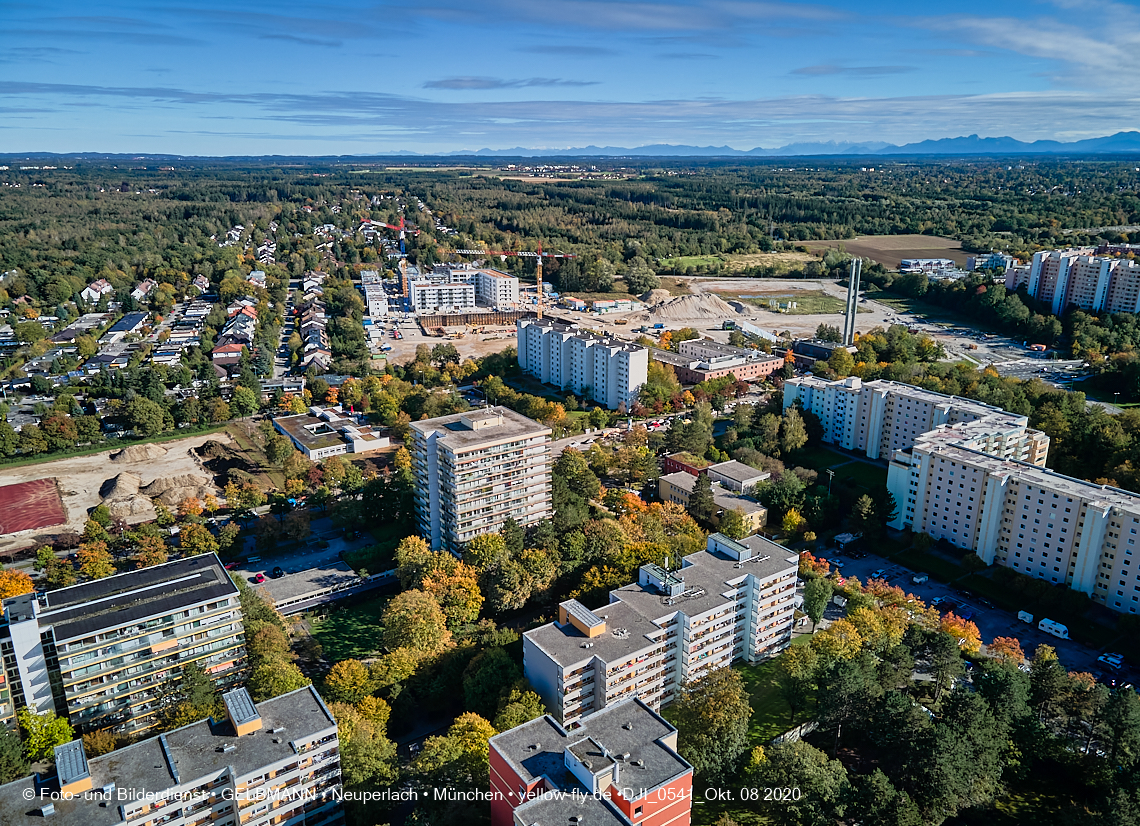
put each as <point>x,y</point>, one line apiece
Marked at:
<point>712,715</point>
<point>817,594</point>
<point>196,539</point>
<point>413,619</point>
<point>95,561</point>
<point>1006,649</point>
<point>348,681</point>
<point>13,583</point>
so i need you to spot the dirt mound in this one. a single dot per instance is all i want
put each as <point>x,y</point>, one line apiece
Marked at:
<point>138,453</point>
<point>135,508</point>
<point>170,490</point>
<point>123,486</point>
<point>692,306</point>
<point>213,450</point>
<point>656,296</point>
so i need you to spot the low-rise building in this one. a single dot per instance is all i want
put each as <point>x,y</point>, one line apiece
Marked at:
<point>732,601</point>
<point>268,763</point>
<point>96,290</point>
<point>677,487</point>
<point>619,767</point>
<point>329,431</point>
<point>691,370</point>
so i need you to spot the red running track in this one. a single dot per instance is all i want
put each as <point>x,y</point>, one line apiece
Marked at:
<point>30,505</point>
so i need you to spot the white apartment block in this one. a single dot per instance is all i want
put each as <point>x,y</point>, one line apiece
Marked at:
<point>477,469</point>
<point>729,602</point>
<point>274,763</point>
<point>605,369</point>
<point>881,417</point>
<point>491,288</point>
<point>102,653</point>
<point>496,289</point>
<point>1080,278</point>
<point>435,298</point>
<point>1053,527</point>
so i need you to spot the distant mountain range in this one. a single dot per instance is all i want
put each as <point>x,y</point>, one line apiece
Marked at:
<point>1120,143</point>
<point>1126,142</point>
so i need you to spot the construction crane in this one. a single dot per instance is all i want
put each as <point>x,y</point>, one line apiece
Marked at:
<point>524,254</point>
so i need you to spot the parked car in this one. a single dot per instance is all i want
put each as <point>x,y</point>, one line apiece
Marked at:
<point>278,573</point>
<point>877,574</point>
<point>260,578</point>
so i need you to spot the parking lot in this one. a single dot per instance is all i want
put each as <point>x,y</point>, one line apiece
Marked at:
<point>991,621</point>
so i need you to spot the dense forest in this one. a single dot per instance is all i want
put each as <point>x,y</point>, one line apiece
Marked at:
<point>64,226</point>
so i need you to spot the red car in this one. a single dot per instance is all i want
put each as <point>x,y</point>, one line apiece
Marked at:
<point>259,579</point>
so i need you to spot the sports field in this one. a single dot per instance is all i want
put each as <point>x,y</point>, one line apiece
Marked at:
<point>30,505</point>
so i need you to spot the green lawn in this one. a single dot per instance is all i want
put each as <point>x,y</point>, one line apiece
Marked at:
<point>771,715</point>
<point>352,631</point>
<point>683,261</point>
<point>820,458</point>
<point>868,476</point>
<point>808,302</point>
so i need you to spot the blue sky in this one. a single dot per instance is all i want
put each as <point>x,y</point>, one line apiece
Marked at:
<point>242,77</point>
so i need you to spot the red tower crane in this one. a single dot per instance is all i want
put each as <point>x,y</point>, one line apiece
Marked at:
<point>524,254</point>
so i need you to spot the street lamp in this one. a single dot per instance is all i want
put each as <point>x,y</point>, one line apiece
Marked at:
<point>1116,397</point>
<point>830,479</point>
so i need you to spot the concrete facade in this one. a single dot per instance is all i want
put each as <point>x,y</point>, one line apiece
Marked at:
<point>274,763</point>
<point>602,368</point>
<point>731,601</point>
<point>102,653</point>
<point>880,417</point>
<point>477,469</point>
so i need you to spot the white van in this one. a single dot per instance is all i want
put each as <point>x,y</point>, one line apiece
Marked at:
<point>1054,628</point>
<point>1025,616</point>
<point>918,579</point>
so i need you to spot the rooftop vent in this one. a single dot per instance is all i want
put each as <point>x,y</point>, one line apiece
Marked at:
<point>621,633</point>
<point>108,790</point>
<point>277,730</point>
<point>229,747</point>
<point>625,756</point>
<point>628,727</point>
<point>47,810</point>
<point>534,746</point>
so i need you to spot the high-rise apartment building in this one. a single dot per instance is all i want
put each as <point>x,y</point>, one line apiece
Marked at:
<point>1062,530</point>
<point>274,763</point>
<point>731,601</point>
<point>605,369</point>
<point>880,417</point>
<point>619,767</point>
<point>1080,278</point>
<point>476,470</point>
<point>102,653</point>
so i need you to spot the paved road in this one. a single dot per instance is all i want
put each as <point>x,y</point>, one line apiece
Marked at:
<point>991,622</point>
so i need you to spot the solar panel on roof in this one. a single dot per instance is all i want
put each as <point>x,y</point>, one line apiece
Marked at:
<point>71,762</point>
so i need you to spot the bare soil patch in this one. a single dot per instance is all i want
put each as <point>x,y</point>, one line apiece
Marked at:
<point>889,250</point>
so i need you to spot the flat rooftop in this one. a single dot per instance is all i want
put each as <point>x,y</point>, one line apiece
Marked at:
<point>197,755</point>
<point>1031,474</point>
<point>722,496</point>
<point>537,749</point>
<point>331,576</point>
<point>106,603</point>
<point>626,632</point>
<point>707,577</point>
<point>458,436</point>
<point>740,472</point>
